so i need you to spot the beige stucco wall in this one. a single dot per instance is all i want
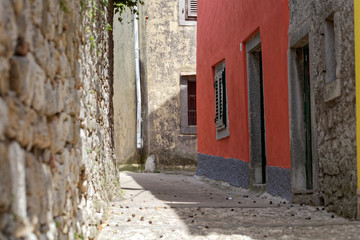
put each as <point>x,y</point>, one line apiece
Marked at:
<point>170,50</point>
<point>166,50</point>
<point>124,90</point>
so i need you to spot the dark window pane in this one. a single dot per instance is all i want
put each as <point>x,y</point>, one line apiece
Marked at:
<point>191,103</point>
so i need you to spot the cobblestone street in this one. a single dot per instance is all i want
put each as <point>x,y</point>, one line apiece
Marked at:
<point>184,206</point>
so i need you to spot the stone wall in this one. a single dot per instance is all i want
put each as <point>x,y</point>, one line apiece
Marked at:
<point>333,103</point>
<point>57,167</point>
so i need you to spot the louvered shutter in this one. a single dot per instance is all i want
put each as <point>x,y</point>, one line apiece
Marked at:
<point>220,99</point>
<point>191,9</point>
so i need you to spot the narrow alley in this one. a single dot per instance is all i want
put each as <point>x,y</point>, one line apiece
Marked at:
<point>184,206</point>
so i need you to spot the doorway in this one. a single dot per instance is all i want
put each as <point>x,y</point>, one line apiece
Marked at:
<point>257,125</point>
<point>307,118</point>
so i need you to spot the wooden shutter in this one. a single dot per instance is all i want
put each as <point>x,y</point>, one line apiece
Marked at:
<point>191,9</point>
<point>220,99</point>
<point>191,103</point>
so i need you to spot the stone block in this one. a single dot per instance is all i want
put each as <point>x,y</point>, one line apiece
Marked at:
<point>18,186</point>
<point>41,133</point>
<point>53,58</point>
<point>20,121</point>
<point>59,196</point>
<point>3,117</point>
<point>332,90</point>
<point>4,76</point>
<point>46,216</point>
<point>8,29</point>
<point>22,69</point>
<point>37,12</point>
<point>55,96</point>
<point>36,206</point>
<point>42,48</point>
<point>5,179</point>
<point>72,103</point>
<point>15,113</point>
<point>48,26</point>
<point>58,134</point>
<point>64,66</point>
<point>39,101</point>
<point>18,6</point>
<point>150,164</point>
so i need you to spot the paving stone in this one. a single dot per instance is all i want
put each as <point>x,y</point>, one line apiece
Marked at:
<point>183,206</point>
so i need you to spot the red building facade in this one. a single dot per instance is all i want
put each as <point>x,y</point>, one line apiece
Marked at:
<point>242,93</point>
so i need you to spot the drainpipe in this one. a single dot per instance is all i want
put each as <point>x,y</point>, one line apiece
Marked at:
<point>139,140</point>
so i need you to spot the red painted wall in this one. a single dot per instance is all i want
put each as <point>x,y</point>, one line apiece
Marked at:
<point>221,27</point>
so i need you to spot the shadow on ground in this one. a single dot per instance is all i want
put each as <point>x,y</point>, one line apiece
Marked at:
<point>181,206</point>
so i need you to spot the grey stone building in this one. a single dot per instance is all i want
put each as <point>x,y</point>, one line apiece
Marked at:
<point>167,46</point>
<point>322,104</point>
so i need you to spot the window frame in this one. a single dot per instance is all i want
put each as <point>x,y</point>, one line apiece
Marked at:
<point>185,128</point>
<point>189,14</point>
<point>184,19</point>
<point>221,105</point>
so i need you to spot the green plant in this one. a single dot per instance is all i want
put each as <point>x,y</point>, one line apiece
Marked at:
<point>57,224</point>
<point>116,183</point>
<point>108,27</point>
<point>121,5</point>
<point>64,7</point>
<point>78,236</point>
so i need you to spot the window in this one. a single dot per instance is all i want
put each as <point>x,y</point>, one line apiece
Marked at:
<point>330,50</point>
<point>332,85</point>
<point>191,87</point>
<point>220,101</point>
<point>190,9</point>
<point>221,113</point>
<point>188,120</point>
<point>187,12</point>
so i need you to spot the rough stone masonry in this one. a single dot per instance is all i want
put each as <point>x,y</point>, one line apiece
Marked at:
<point>330,25</point>
<point>57,168</point>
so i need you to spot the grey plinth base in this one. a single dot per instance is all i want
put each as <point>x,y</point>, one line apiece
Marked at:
<point>279,182</point>
<point>234,171</point>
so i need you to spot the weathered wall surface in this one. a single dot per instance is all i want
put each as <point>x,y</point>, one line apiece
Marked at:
<point>335,127</point>
<point>237,46</point>
<point>57,169</point>
<point>124,90</point>
<point>170,50</point>
<point>357,69</point>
